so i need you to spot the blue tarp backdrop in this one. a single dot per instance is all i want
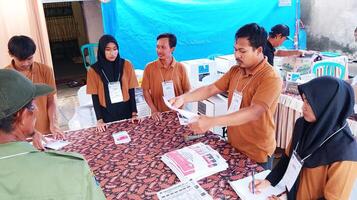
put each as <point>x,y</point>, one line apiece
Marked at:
<point>202,27</point>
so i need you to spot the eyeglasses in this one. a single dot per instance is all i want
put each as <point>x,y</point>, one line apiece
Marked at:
<point>31,106</point>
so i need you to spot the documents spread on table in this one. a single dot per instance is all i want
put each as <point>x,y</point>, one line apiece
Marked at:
<point>194,162</point>
<point>241,187</point>
<point>184,190</point>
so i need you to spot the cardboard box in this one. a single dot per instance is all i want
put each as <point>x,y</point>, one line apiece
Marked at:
<point>201,72</point>
<point>214,106</point>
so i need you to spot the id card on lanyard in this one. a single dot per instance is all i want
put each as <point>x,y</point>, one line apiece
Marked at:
<point>168,89</point>
<point>236,102</point>
<point>296,163</point>
<point>115,93</point>
<point>293,171</point>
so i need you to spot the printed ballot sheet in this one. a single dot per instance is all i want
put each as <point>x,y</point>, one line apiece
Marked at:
<point>194,162</point>
<point>184,190</point>
<point>241,187</point>
<point>184,116</point>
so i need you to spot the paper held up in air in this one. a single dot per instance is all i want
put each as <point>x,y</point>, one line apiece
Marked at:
<point>186,116</point>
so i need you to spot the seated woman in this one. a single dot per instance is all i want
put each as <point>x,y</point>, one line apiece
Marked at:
<point>322,143</point>
<point>111,81</point>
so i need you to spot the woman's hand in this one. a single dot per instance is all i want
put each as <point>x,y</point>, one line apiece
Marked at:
<point>135,118</point>
<point>259,185</point>
<point>101,126</point>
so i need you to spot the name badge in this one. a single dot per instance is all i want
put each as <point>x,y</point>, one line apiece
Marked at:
<point>168,89</point>
<point>236,102</point>
<point>292,172</point>
<point>115,92</point>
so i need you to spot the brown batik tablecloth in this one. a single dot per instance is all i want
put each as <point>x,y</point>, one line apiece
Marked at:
<point>135,171</point>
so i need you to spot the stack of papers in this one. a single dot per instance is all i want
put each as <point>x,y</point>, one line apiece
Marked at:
<point>241,187</point>
<point>194,162</point>
<point>184,190</point>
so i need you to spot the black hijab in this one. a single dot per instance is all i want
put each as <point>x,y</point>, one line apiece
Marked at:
<point>332,101</point>
<point>111,69</point>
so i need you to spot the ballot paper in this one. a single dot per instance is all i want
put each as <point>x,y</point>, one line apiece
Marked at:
<point>55,144</point>
<point>184,190</point>
<point>194,162</point>
<point>241,187</point>
<point>121,137</point>
<point>185,116</point>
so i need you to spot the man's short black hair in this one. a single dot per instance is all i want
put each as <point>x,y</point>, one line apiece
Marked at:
<point>172,38</point>
<point>21,47</point>
<point>257,36</point>
<point>279,29</point>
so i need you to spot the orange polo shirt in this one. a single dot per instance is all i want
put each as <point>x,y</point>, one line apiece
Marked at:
<point>262,86</point>
<point>40,73</point>
<point>155,73</point>
<point>128,81</point>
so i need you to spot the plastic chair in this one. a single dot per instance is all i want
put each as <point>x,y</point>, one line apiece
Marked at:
<point>329,68</point>
<point>90,51</point>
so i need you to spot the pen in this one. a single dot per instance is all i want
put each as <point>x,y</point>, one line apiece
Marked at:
<point>253,185</point>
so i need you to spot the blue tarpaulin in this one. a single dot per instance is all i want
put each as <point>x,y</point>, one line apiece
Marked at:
<point>202,27</point>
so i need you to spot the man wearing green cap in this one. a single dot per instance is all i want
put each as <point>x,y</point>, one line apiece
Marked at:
<point>27,173</point>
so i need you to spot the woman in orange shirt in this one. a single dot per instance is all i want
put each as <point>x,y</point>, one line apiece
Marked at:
<point>322,144</point>
<point>111,81</point>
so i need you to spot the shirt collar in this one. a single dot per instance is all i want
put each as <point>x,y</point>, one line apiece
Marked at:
<point>173,63</point>
<point>257,69</point>
<point>12,148</point>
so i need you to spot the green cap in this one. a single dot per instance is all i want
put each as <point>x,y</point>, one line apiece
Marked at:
<point>16,91</point>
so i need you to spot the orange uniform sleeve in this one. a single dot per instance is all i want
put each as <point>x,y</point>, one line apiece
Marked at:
<point>92,81</point>
<point>146,78</point>
<point>185,80</point>
<point>133,81</point>
<point>223,83</point>
<point>341,178</point>
<point>267,92</point>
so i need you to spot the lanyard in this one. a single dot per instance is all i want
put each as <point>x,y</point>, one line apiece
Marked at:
<point>321,143</point>
<point>107,77</point>
<point>172,74</point>
<point>245,84</point>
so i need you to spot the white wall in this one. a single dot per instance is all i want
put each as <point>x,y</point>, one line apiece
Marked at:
<point>93,19</point>
<point>330,24</point>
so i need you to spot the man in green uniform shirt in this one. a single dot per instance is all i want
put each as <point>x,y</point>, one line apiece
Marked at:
<point>27,173</point>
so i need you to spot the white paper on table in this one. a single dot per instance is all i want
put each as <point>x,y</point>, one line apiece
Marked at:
<point>184,190</point>
<point>56,144</point>
<point>241,187</point>
<point>186,114</point>
<point>121,137</point>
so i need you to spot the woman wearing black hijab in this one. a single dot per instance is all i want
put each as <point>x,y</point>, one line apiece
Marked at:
<point>111,81</point>
<point>323,140</point>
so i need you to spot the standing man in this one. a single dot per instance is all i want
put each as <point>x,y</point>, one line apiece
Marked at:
<point>27,173</point>
<point>164,76</point>
<point>254,88</point>
<point>278,34</point>
<point>22,49</point>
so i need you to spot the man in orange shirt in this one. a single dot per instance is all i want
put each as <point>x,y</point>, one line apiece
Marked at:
<point>22,49</point>
<point>254,88</point>
<point>164,76</point>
